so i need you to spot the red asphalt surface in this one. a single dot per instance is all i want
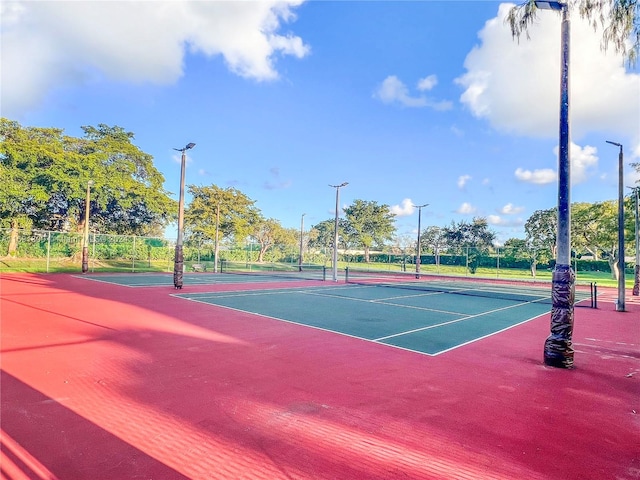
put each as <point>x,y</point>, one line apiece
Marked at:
<point>101,381</point>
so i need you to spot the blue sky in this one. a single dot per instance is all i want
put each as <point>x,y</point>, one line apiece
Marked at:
<point>411,102</point>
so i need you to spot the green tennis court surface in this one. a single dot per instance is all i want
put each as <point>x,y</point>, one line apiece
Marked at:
<point>421,321</point>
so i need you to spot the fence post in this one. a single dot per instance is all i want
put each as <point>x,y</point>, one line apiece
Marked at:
<point>48,249</point>
<point>467,260</point>
<point>93,254</point>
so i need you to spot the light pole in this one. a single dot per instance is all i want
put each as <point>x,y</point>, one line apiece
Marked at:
<point>178,263</point>
<point>620,307</point>
<point>558,347</point>
<point>215,252</point>
<point>636,281</point>
<point>85,236</point>
<point>419,207</point>
<point>335,233</point>
<point>301,236</point>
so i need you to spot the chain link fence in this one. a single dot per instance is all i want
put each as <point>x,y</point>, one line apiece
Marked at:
<point>50,251</point>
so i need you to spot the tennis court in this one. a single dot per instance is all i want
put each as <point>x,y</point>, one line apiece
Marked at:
<point>165,279</point>
<point>421,321</point>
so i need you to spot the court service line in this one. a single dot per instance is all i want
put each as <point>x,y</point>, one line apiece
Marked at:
<point>92,279</point>
<point>468,342</point>
<point>383,302</point>
<point>452,321</point>
<point>300,324</point>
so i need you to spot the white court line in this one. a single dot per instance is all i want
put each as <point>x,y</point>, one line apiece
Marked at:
<point>242,293</point>
<point>383,302</point>
<point>378,341</point>
<point>453,321</point>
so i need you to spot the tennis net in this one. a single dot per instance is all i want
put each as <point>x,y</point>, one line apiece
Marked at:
<point>513,290</point>
<point>280,270</point>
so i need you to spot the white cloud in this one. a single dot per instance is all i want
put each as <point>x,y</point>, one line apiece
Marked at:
<point>511,209</point>
<point>462,181</point>
<point>47,45</point>
<point>466,209</point>
<point>393,91</point>
<point>499,221</point>
<point>427,83</point>
<point>404,209</point>
<point>515,87</point>
<point>494,220</point>
<point>541,176</point>
<point>583,161</point>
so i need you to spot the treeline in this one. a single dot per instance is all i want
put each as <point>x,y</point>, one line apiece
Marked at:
<point>47,176</point>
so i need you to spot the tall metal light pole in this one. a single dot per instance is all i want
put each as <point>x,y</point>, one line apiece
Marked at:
<point>301,237</point>
<point>178,263</point>
<point>419,207</point>
<point>85,236</point>
<point>215,251</point>
<point>620,306</point>
<point>558,347</point>
<point>335,233</point>
<point>636,281</point>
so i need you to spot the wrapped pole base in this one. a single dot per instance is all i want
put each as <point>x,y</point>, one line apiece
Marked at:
<point>636,281</point>
<point>85,259</point>
<point>178,267</point>
<point>558,348</point>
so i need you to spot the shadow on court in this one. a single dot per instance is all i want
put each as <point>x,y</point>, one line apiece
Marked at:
<point>192,390</point>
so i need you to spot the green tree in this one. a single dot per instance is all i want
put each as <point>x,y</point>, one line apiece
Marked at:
<point>24,160</point>
<point>370,224</point>
<point>269,233</point>
<point>228,210</point>
<point>541,229</point>
<point>621,19</point>
<point>434,238</point>
<point>515,249</point>
<point>473,238</point>
<point>128,189</point>
<point>45,175</point>
<point>321,235</point>
<point>403,245</point>
<point>595,229</point>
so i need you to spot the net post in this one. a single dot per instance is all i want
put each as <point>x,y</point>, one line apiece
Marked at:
<point>324,273</point>
<point>346,274</point>
<point>595,294</point>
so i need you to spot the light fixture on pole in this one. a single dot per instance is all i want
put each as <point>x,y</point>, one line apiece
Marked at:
<point>178,263</point>
<point>418,250</point>
<point>620,306</point>
<point>558,347</point>
<point>335,233</point>
<point>636,281</point>
<point>85,236</point>
<point>301,237</point>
